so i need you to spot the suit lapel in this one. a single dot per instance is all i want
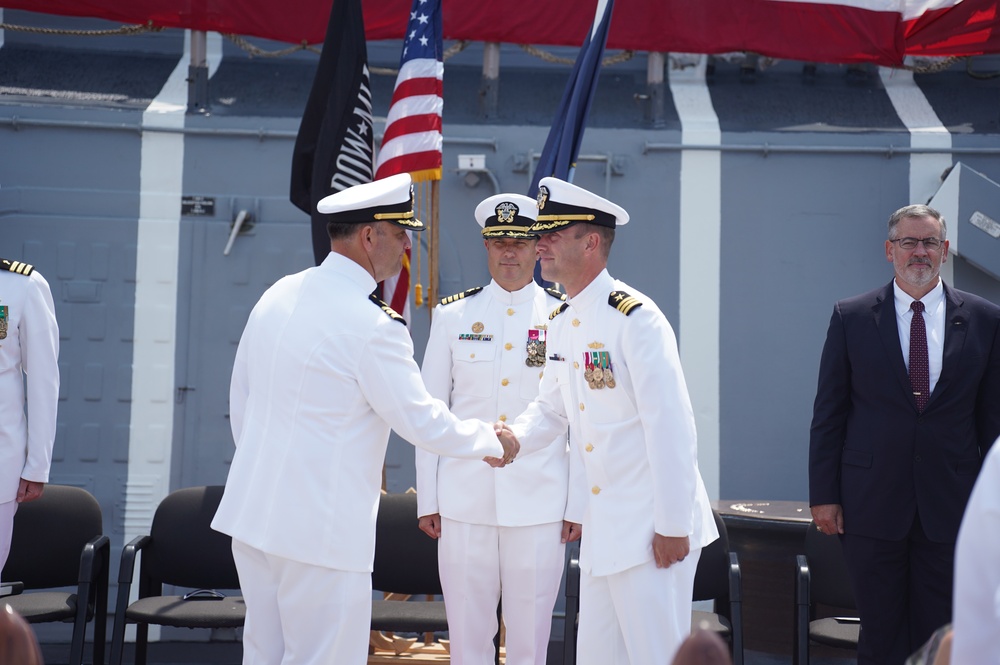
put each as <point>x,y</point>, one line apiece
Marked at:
<point>955,326</point>
<point>885,319</point>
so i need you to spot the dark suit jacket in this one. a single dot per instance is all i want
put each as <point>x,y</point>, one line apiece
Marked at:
<point>870,450</point>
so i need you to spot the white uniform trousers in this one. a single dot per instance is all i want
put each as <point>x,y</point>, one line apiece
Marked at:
<point>300,614</point>
<point>639,616</point>
<point>7,511</point>
<point>477,563</point>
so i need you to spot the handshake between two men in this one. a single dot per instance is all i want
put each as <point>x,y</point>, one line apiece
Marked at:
<point>510,446</point>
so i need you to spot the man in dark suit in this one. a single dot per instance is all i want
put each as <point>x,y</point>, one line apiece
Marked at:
<point>907,405</point>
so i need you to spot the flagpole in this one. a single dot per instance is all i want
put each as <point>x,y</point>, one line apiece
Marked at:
<point>432,249</point>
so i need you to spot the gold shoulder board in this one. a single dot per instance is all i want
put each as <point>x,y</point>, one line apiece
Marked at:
<point>16,267</point>
<point>558,310</point>
<point>558,295</point>
<point>623,302</point>
<point>459,296</point>
<point>388,310</point>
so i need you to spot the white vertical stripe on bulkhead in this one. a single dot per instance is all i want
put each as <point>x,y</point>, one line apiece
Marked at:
<point>926,131</point>
<point>700,237</point>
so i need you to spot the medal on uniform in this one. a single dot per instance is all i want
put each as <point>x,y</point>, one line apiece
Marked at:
<point>609,377</point>
<point>597,370</point>
<point>593,372</point>
<point>3,321</point>
<point>536,348</point>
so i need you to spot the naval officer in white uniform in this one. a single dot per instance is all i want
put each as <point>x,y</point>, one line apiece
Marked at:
<point>613,374</point>
<point>322,372</point>
<point>29,347</point>
<point>498,528</point>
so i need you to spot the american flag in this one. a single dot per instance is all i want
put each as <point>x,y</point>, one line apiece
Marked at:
<point>412,139</point>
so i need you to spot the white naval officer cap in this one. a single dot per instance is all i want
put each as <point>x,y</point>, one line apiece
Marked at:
<point>562,204</point>
<point>507,216</point>
<point>386,200</point>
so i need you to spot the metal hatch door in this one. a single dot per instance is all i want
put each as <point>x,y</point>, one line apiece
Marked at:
<point>217,293</point>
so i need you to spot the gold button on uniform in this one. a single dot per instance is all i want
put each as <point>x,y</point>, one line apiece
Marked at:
<point>589,447</point>
<point>508,346</point>
<point>581,406</point>
<point>541,374</point>
<point>595,490</point>
<point>510,311</point>
<point>472,355</point>
<point>502,418</point>
<point>576,323</point>
<point>576,365</point>
<point>504,382</point>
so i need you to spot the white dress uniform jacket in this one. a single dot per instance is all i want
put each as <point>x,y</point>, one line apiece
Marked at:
<point>977,571</point>
<point>475,362</point>
<point>321,374</point>
<point>634,462</point>
<point>29,346</point>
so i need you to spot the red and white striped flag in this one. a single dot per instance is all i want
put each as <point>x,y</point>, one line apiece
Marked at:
<point>412,139</point>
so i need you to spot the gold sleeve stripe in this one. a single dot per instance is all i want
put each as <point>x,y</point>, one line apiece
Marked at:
<point>559,295</point>
<point>17,267</point>
<point>623,302</point>
<point>393,314</point>
<point>628,305</point>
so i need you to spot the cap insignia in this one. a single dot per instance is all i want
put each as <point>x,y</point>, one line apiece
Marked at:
<point>506,212</point>
<point>543,196</point>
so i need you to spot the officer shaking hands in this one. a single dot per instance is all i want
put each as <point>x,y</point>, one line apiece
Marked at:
<point>323,370</point>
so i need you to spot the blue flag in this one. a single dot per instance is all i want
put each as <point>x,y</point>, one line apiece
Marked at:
<point>563,144</point>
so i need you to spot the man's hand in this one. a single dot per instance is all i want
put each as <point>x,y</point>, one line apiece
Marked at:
<point>571,531</point>
<point>509,443</point>
<point>29,490</point>
<point>829,518</point>
<point>668,550</point>
<point>431,525</point>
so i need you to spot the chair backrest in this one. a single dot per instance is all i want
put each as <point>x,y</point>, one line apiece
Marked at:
<point>711,580</point>
<point>405,557</point>
<point>49,535</point>
<point>829,583</point>
<point>185,550</point>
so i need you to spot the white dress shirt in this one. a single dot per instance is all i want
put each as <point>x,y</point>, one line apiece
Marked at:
<point>934,318</point>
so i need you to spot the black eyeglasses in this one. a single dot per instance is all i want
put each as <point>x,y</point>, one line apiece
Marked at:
<point>911,243</point>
